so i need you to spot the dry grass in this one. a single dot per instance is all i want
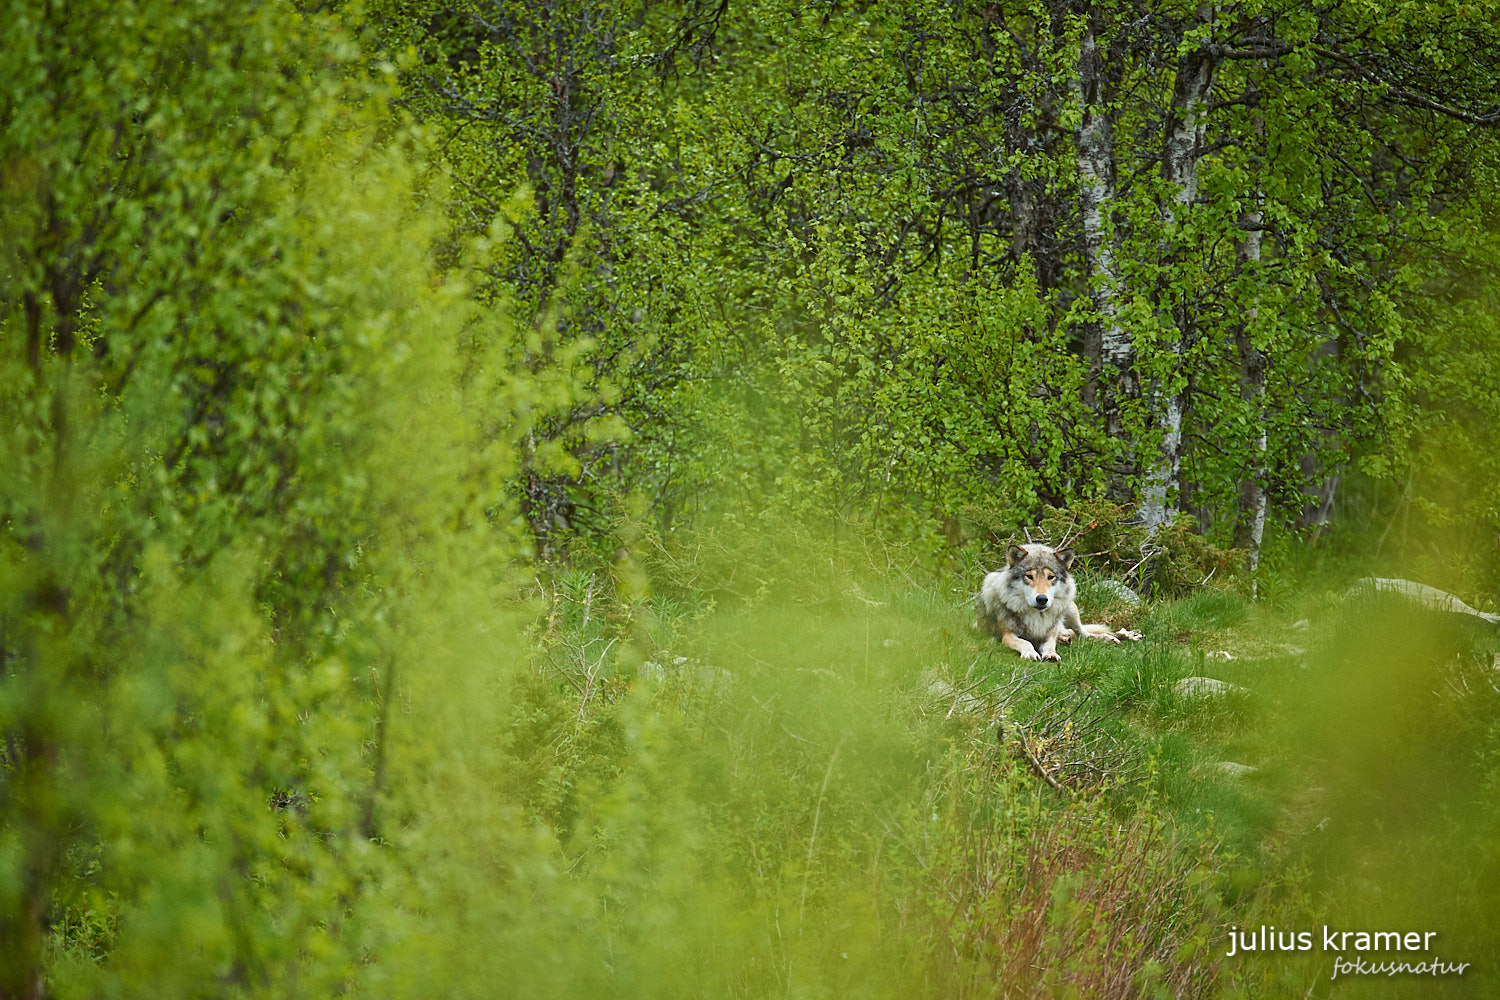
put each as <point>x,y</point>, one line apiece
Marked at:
<point>1074,898</point>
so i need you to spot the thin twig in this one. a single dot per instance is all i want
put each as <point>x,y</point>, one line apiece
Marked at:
<point>382,729</point>
<point>1034,762</point>
<point>813,839</point>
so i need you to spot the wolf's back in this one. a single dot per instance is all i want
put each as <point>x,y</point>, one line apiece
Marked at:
<point>990,604</point>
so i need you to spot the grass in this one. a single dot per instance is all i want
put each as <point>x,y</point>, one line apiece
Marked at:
<point>805,774</point>
<point>976,825</point>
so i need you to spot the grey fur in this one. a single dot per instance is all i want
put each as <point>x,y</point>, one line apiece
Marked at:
<point>1008,604</point>
<point>1004,602</point>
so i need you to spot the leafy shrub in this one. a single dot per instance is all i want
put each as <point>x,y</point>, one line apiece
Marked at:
<point>1110,543</point>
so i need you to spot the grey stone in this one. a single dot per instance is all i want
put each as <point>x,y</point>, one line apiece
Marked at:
<point>703,676</point>
<point>1206,687</point>
<point>1428,597</point>
<point>1118,590</point>
<point>1230,769</point>
<point>957,700</point>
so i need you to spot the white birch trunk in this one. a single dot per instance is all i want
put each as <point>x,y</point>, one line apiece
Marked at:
<point>1250,526</point>
<point>1111,351</point>
<point>1184,138</point>
<point>1250,520</point>
<point>1094,138</point>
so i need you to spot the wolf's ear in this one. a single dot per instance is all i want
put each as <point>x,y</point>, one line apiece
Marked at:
<point>1014,554</point>
<point>1065,556</point>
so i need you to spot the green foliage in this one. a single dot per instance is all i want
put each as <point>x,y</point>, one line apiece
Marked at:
<point>307,349</point>
<point>830,262</point>
<point>232,388</point>
<point>1110,542</point>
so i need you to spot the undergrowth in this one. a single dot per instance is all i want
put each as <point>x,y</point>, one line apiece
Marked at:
<point>736,769</point>
<point>882,785</point>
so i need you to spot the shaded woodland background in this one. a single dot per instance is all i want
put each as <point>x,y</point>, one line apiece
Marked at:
<point>889,260</point>
<point>488,492</point>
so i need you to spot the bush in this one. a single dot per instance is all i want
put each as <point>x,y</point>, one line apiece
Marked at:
<point>1110,543</point>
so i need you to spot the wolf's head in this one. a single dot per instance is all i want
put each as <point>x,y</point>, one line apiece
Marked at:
<point>1040,574</point>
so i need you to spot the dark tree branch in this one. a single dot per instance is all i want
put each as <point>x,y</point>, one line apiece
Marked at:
<point>1411,97</point>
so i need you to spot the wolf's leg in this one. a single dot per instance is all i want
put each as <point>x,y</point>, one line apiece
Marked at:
<point>1073,620</point>
<point>1103,632</point>
<point>1048,648</point>
<point>1099,632</point>
<point>1026,649</point>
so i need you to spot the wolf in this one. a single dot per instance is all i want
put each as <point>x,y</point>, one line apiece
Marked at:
<point>1029,605</point>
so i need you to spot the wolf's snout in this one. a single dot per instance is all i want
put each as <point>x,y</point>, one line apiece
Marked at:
<point>1041,600</point>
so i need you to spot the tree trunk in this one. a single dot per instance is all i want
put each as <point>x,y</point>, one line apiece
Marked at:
<point>1318,511</point>
<point>1179,164</point>
<point>1250,524</point>
<point>1109,348</point>
<point>1250,520</point>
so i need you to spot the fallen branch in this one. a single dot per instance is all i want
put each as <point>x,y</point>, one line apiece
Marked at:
<point>1034,762</point>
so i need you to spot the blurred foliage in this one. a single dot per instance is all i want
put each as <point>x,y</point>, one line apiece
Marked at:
<point>484,491</point>
<point>238,463</point>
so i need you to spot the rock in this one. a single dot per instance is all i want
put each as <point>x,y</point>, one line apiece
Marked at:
<point>1119,591</point>
<point>703,676</point>
<point>1206,687</point>
<point>1428,597</point>
<point>1222,654</point>
<point>957,700</point>
<point>1230,769</point>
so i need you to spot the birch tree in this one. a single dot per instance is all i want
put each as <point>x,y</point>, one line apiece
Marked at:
<point>1182,147</point>
<point>1106,342</point>
<point>1210,209</point>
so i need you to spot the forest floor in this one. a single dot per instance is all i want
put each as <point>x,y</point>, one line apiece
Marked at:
<point>876,782</point>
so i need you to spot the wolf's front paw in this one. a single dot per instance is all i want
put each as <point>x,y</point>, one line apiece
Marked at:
<point>1126,633</point>
<point>1051,654</point>
<point>1027,651</point>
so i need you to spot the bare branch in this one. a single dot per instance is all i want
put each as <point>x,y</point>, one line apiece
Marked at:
<point>1411,97</point>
